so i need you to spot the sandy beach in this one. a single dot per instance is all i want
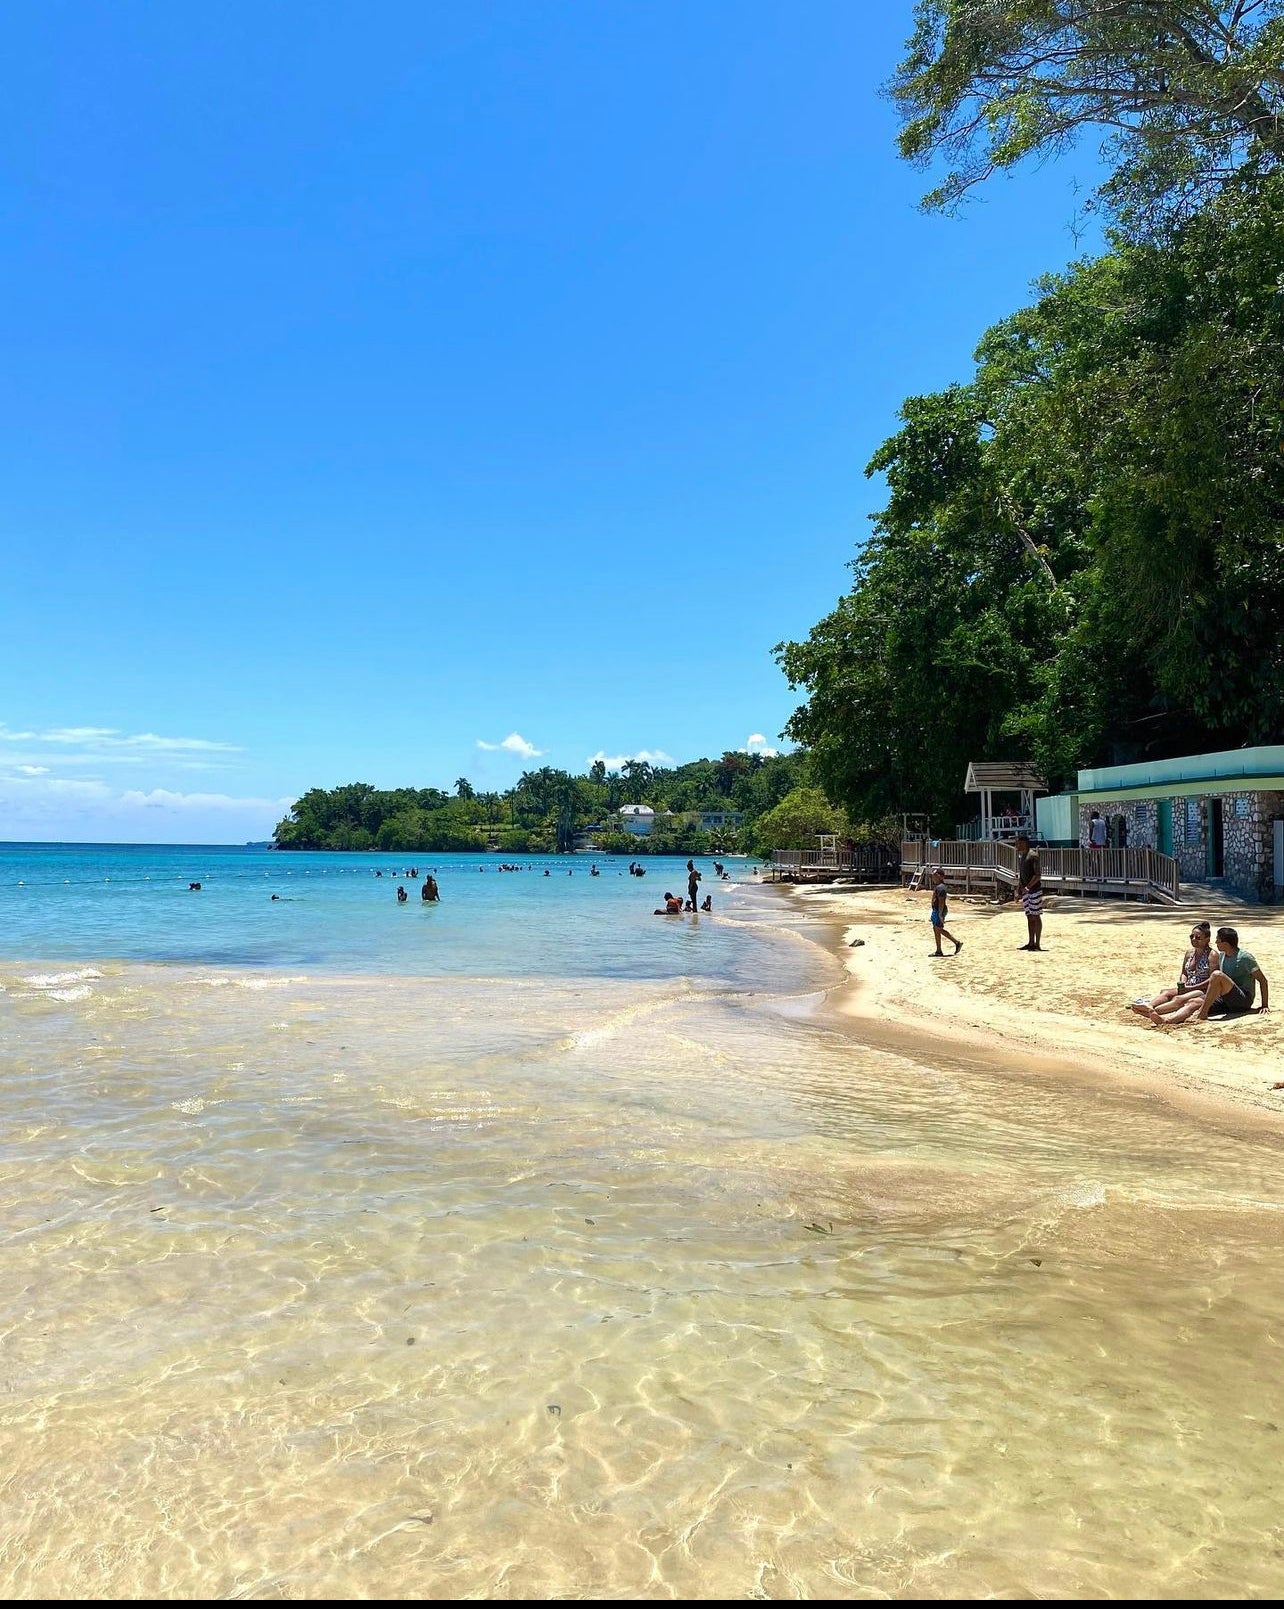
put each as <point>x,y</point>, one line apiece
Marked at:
<point>1067,1004</point>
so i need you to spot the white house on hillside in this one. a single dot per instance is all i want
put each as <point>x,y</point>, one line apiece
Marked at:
<point>637,819</point>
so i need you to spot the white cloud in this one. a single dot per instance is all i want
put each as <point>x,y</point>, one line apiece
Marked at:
<point>756,743</point>
<point>82,809</point>
<point>111,737</point>
<point>164,799</point>
<point>515,743</point>
<point>87,745</point>
<point>613,762</point>
<point>59,789</point>
<point>34,770</point>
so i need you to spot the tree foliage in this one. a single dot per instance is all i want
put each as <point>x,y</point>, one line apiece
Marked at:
<point>548,809</point>
<point>797,820</point>
<point>1185,92</point>
<point>1080,559</point>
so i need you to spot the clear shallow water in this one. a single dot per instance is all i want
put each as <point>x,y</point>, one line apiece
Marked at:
<point>73,901</point>
<point>329,1285</point>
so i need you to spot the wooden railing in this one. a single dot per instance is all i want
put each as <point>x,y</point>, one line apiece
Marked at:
<point>1120,870</point>
<point>870,860</point>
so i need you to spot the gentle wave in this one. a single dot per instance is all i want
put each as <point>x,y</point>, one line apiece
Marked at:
<point>56,980</point>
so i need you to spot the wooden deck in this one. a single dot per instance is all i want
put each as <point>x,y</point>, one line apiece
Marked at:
<point>1131,873</point>
<point>865,863</point>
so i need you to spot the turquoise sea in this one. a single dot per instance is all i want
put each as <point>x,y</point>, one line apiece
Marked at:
<point>531,1245</point>
<point>337,912</point>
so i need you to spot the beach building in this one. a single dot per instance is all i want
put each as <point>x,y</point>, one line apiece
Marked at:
<point>716,820</point>
<point>637,818</point>
<point>1220,816</point>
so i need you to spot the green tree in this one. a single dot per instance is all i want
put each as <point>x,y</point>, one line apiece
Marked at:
<point>637,775</point>
<point>1080,558</point>
<point>1184,92</point>
<point>797,820</point>
<point>729,769</point>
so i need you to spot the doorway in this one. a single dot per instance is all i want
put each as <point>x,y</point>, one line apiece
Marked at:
<point>1214,842</point>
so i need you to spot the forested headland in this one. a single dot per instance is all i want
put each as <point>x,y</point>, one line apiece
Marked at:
<point>549,810</point>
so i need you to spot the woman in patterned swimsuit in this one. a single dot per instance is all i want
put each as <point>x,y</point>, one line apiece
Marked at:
<point>1196,965</point>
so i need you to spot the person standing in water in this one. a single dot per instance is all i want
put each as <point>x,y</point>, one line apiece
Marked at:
<point>693,885</point>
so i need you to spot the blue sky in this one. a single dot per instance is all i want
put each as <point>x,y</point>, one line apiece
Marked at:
<point>398,392</point>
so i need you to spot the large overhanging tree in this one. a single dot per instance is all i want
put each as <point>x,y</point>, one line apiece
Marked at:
<point>1185,91</point>
<point>1080,557</point>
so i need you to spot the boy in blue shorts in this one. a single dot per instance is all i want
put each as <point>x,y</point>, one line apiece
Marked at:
<point>939,910</point>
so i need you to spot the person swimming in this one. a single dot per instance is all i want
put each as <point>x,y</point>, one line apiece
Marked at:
<point>402,896</point>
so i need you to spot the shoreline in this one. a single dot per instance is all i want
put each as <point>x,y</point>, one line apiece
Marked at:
<point>1062,1013</point>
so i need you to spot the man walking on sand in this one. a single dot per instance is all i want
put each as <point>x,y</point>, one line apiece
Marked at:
<point>1029,891</point>
<point>940,898</point>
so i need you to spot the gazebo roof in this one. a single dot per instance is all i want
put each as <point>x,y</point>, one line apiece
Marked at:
<point>1003,776</point>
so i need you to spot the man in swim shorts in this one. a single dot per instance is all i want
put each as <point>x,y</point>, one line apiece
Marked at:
<point>1030,892</point>
<point>1232,987</point>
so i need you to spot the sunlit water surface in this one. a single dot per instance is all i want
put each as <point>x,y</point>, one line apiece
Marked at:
<point>515,1282</point>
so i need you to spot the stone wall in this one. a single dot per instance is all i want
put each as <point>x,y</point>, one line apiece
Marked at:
<point>1247,833</point>
<point>1190,817</point>
<point>1248,856</point>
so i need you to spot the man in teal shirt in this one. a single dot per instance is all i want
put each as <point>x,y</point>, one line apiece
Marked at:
<point>1230,989</point>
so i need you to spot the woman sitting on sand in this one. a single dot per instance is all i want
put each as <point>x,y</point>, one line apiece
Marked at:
<point>1197,963</point>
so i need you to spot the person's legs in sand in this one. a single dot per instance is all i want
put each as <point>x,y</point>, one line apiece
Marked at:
<point>1218,985</point>
<point>944,933</point>
<point>1183,1009</point>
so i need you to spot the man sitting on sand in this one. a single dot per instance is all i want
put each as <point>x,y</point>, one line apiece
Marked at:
<point>1230,988</point>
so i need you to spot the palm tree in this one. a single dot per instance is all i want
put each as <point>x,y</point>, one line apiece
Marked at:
<point>566,800</point>
<point>464,789</point>
<point>638,774</point>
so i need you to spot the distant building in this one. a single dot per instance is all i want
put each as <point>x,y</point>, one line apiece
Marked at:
<point>638,819</point>
<point>712,820</point>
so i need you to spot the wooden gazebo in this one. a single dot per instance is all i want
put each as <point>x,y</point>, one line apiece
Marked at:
<point>988,777</point>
